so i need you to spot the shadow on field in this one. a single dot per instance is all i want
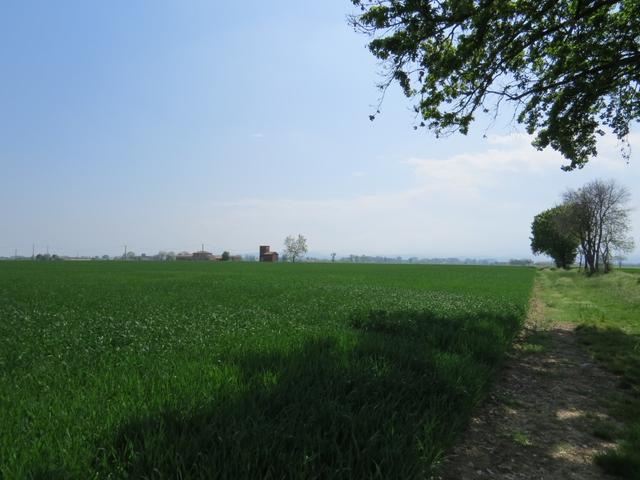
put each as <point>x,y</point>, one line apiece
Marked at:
<point>384,405</point>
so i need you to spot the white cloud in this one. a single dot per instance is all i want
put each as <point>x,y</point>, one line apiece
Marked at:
<point>478,203</point>
<point>471,173</point>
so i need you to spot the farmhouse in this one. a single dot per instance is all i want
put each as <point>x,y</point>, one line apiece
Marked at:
<point>201,255</point>
<point>266,255</point>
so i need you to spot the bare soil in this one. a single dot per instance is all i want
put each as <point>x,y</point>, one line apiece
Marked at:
<point>539,420</point>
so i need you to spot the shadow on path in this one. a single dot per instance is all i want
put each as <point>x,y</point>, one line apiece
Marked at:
<point>542,417</point>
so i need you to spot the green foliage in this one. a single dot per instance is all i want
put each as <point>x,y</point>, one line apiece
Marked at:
<point>549,237</point>
<point>225,256</point>
<point>568,67</point>
<point>245,370</point>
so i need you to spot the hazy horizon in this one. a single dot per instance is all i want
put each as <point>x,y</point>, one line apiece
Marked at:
<point>163,125</point>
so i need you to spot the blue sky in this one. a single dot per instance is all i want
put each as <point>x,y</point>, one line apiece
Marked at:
<point>167,124</point>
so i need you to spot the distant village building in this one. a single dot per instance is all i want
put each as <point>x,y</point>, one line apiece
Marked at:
<point>266,255</point>
<point>198,256</point>
<point>205,256</point>
<point>202,255</point>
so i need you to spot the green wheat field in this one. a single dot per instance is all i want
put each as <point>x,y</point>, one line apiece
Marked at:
<point>245,370</point>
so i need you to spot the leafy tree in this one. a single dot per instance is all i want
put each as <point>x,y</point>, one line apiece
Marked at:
<point>295,248</point>
<point>568,67</point>
<point>549,236</point>
<point>225,256</point>
<point>599,218</point>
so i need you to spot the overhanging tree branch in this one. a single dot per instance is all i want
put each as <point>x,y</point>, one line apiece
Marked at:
<point>553,58</point>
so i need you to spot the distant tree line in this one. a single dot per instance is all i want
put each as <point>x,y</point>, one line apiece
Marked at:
<point>432,261</point>
<point>44,257</point>
<point>592,223</point>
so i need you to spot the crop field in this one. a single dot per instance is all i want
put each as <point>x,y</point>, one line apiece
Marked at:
<point>232,370</point>
<point>635,270</point>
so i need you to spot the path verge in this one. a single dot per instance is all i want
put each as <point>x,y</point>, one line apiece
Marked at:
<point>542,417</point>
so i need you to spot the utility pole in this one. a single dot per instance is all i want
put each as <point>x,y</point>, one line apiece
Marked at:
<point>33,251</point>
<point>202,248</point>
<point>125,252</point>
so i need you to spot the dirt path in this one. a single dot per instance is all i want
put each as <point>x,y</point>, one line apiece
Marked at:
<point>539,420</point>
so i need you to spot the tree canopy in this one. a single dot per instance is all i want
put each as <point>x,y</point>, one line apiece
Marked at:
<point>569,67</point>
<point>295,248</point>
<point>599,218</point>
<point>593,219</point>
<point>549,236</point>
